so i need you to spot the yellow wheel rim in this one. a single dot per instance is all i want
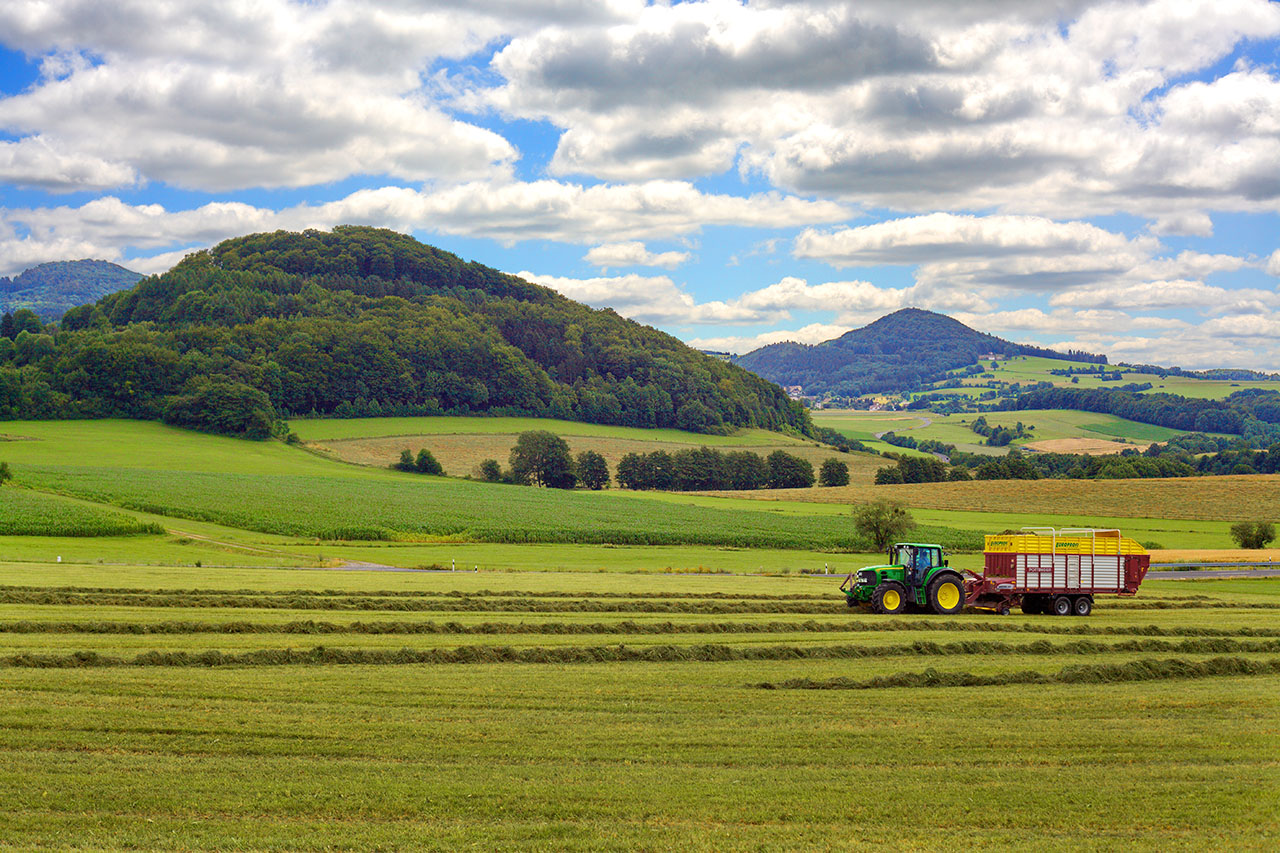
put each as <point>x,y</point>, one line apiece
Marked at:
<point>891,600</point>
<point>948,595</point>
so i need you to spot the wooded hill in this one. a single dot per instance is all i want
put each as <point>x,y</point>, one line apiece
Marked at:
<point>362,321</point>
<point>899,352</point>
<point>51,289</point>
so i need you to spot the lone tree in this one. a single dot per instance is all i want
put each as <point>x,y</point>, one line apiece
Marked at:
<point>1248,534</point>
<point>883,522</point>
<point>542,458</point>
<point>491,471</point>
<point>5,474</point>
<point>406,461</point>
<point>834,473</point>
<point>426,463</point>
<point>593,471</point>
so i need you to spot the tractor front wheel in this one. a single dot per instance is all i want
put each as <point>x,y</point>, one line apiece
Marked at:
<point>889,598</point>
<point>946,595</point>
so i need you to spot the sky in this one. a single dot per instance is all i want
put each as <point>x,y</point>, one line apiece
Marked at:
<point>1098,176</point>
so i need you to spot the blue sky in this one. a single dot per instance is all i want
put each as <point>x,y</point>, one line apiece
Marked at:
<point>1103,176</point>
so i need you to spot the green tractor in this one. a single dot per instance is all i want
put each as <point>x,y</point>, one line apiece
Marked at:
<point>917,576</point>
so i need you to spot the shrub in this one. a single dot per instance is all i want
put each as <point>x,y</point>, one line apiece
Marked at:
<point>1253,534</point>
<point>5,474</point>
<point>491,471</point>
<point>426,463</point>
<point>834,473</point>
<point>406,461</point>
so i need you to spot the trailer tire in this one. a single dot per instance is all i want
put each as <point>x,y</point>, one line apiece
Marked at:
<point>1082,606</point>
<point>1062,606</point>
<point>1032,605</point>
<point>889,598</point>
<point>946,594</point>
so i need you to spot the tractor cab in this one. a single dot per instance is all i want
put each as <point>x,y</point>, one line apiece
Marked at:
<point>917,575</point>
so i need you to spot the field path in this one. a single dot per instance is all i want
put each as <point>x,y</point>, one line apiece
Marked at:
<point>924,422</point>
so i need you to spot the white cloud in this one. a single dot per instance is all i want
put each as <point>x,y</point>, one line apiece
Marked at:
<point>813,333</point>
<point>1273,263</point>
<point>507,212</point>
<point>1194,223</point>
<point>633,254</point>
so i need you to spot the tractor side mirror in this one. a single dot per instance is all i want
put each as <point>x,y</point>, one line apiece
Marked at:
<point>946,562</point>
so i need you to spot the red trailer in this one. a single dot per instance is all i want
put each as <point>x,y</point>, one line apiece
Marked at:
<point>1044,570</point>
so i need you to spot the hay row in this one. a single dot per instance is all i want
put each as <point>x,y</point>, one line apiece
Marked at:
<point>1136,670</point>
<point>310,627</point>
<point>321,655</point>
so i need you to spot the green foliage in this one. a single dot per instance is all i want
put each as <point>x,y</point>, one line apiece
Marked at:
<point>789,472</point>
<point>5,474</point>
<point>52,288</point>
<point>426,463</point>
<point>883,522</point>
<point>1253,534</point>
<point>834,473</point>
<point>914,469</point>
<point>491,471</point>
<point>542,457</point>
<point>220,405</point>
<point>592,470</point>
<point>406,461</point>
<point>366,322</point>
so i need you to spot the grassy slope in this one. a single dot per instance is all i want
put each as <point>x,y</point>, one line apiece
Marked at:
<point>628,755</point>
<point>1030,369</point>
<point>273,488</point>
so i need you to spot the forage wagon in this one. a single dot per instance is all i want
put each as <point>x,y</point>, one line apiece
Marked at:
<point>1040,569</point>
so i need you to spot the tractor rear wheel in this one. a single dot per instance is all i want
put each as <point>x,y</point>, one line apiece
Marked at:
<point>1083,606</point>
<point>1062,606</point>
<point>889,598</point>
<point>946,594</point>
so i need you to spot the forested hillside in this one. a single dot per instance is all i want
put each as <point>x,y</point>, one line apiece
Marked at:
<point>51,289</point>
<point>897,353</point>
<point>364,321</point>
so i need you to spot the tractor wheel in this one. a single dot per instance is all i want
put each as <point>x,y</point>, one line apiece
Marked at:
<point>851,601</point>
<point>1083,606</point>
<point>1003,609</point>
<point>1062,606</point>
<point>946,595</point>
<point>889,598</point>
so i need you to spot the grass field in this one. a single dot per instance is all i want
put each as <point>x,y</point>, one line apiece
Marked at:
<point>1048,425</point>
<point>305,710</point>
<point>1031,369</point>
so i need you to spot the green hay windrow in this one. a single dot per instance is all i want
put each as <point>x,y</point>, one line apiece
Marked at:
<point>1136,670</point>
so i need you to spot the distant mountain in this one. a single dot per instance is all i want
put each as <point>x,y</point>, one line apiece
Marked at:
<point>52,289</point>
<point>364,321</point>
<point>898,352</point>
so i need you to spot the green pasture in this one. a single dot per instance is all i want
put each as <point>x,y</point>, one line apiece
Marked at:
<point>329,429</point>
<point>211,714</point>
<point>1032,369</point>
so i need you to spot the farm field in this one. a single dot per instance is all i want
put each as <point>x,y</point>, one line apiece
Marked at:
<point>1228,498</point>
<point>460,452</point>
<point>1054,429</point>
<point>308,710</point>
<point>1031,369</point>
<point>277,489</point>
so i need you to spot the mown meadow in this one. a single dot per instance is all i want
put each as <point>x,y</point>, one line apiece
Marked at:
<point>307,710</point>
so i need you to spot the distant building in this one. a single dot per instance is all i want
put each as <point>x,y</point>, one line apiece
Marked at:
<point>723,356</point>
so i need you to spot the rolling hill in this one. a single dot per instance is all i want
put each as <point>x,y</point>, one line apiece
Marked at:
<point>899,352</point>
<point>367,322</point>
<point>51,289</point>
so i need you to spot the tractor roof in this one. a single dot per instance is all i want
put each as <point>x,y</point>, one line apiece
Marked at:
<point>916,545</point>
